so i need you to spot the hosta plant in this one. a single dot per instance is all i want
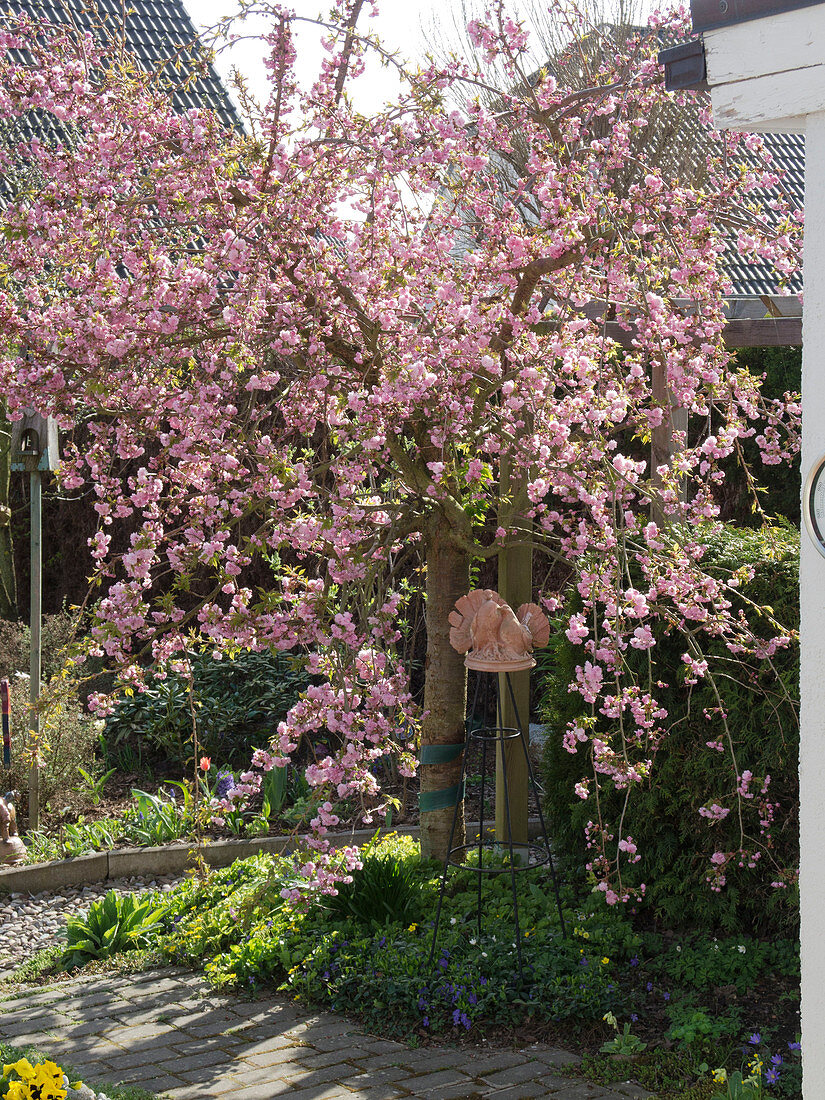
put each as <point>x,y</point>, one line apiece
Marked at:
<point>114,924</point>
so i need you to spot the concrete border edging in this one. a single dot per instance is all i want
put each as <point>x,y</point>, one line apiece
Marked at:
<point>170,859</point>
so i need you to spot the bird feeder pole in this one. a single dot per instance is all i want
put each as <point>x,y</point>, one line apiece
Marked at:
<point>515,583</point>
<point>36,551</point>
<point>34,449</point>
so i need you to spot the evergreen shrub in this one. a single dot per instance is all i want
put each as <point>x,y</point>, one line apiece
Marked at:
<point>238,705</point>
<point>778,486</point>
<point>760,697</point>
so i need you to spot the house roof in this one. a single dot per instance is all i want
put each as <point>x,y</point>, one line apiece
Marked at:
<point>679,143</point>
<point>755,279</point>
<point>157,33</point>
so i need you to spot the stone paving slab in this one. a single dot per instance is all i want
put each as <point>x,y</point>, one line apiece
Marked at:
<point>169,1032</point>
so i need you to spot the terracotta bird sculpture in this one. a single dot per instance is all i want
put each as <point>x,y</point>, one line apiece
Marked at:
<point>12,848</point>
<point>494,637</point>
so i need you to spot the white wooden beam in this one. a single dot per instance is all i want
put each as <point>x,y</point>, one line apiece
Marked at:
<point>812,632</point>
<point>778,44</point>
<point>778,103</point>
<point>768,74</point>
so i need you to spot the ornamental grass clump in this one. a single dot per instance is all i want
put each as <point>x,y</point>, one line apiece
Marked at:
<point>386,889</point>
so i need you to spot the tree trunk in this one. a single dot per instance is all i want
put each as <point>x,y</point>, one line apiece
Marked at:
<point>662,449</point>
<point>445,691</point>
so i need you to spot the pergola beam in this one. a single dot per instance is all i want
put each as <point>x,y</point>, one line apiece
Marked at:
<point>762,332</point>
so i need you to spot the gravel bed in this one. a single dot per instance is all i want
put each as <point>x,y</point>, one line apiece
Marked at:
<point>30,922</point>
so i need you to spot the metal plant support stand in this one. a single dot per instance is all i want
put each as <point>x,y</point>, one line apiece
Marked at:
<point>529,857</point>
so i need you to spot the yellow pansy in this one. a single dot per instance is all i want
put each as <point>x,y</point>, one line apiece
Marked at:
<point>48,1078</point>
<point>44,1081</point>
<point>23,1068</point>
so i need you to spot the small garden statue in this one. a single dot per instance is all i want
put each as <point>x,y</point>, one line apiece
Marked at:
<point>12,848</point>
<point>494,637</point>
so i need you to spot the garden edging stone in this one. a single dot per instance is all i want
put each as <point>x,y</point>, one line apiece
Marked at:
<point>53,876</point>
<point>169,859</point>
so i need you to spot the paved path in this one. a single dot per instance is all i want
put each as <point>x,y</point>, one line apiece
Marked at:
<point>167,1031</point>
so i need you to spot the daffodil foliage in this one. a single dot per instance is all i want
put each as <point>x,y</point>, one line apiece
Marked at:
<point>334,339</point>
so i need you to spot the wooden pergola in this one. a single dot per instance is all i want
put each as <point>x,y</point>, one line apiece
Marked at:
<point>745,332</point>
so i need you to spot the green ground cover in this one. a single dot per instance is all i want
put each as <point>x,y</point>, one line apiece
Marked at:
<point>667,1009</point>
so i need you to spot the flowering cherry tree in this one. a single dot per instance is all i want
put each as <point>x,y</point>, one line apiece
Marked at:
<point>333,338</point>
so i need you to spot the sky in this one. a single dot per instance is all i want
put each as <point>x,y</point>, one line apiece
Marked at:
<point>411,27</point>
<point>400,25</point>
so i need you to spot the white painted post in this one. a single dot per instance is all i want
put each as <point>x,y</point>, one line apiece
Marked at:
<point>768,74</point>
<point>812,634</point>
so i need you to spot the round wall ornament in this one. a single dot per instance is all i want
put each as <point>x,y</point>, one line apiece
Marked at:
<point>813,503</point>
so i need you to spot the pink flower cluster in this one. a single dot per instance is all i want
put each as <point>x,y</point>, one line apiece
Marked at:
<point>297,352</point>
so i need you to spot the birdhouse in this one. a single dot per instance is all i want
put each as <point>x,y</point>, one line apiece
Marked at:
<point>34,444</point>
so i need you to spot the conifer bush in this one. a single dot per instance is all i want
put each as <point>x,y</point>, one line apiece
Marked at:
<point>670,816</point>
